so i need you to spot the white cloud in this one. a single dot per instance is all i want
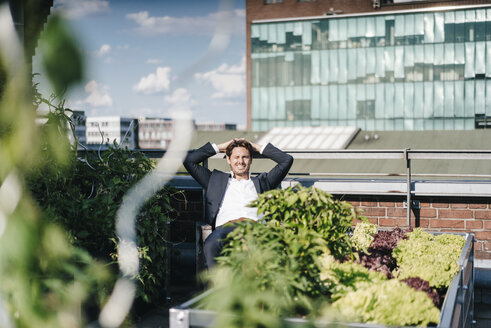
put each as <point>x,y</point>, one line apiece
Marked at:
<point>103,50</point>
<point>122,47</point>
<point>154,82</point>
<point>98,95</point>
<point>151,25</point>
<point>228,81</point>
<point>154,61</point>
<point>180,97</point>
<point>76,9</point>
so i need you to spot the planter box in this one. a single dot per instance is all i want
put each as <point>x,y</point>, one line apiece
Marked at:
<point>457,309</point>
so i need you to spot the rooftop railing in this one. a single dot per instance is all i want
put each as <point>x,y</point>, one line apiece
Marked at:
<point>476,188</point>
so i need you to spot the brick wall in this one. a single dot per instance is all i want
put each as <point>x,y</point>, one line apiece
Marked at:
<point>435,214</point>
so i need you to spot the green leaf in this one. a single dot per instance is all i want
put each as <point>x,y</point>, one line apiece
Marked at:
<point>61,57</point>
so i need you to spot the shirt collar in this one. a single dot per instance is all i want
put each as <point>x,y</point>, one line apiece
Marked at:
<point>231,176</point>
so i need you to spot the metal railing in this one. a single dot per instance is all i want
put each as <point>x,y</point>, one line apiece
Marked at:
<point>407,155</point>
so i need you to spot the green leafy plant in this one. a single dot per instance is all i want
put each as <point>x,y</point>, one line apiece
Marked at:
<point>296,255</point>
<point>363,236</point>
<point>341,278</point>
<point>388,302</point>
<point>45,279</point>
<point>314,209</point>
<point>429,257</point>
<point>84,197</point>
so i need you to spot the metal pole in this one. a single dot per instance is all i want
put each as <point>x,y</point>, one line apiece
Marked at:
<point>408,183</point>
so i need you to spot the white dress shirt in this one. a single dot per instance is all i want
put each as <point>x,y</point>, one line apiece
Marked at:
<point>238,195</point>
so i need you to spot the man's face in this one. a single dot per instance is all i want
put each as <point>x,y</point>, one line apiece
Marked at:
<point>240,162</point>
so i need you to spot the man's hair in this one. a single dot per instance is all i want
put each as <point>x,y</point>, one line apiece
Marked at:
<point>239,143</point>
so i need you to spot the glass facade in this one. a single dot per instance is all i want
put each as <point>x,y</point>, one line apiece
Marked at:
<point>408,71</point>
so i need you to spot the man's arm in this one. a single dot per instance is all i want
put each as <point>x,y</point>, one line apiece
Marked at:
<point>284,162</point>
<point>194,158</point>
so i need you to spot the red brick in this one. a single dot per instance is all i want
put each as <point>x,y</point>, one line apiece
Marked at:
<point>440,205</point>
<point>459,205</point>
<point>396,212</point>
<point>483,235</point>
<point>454,231</point>
<point>373,220</point>
<point>455,214</point>
<point>483,214</point>
<point>478,206</point>
<point>471,224</point>
<point>399,204</point>
<point>446,223</point>
<point>479,245</point>
<point>424,223</point>
<point>386,204</point>
<point>428,213</point>
<point>483,255</point>
<point>355,203</point>
<point>392,222</point>
<point>487,225</point>
<point>421,204</point>
<point>487,245</point>
<point>355,222</point>
<point>369,204</point>
<point>372,211</point>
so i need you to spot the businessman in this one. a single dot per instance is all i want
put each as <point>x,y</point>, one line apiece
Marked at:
<point>229,193</point>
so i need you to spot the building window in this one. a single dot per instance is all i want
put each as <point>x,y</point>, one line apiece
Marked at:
<point>270,2</point>
<point>407,71</point>
<point>298,110</point>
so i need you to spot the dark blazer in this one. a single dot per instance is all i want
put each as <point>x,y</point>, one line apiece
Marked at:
<point>215,183</point>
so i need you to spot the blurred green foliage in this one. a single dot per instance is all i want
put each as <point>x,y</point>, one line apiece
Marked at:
<point>57,212</point>
<point>45,279</point>
<point>61,56</point>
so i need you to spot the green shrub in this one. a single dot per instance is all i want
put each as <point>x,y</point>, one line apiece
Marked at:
<point>84,197</point>
<point>314,209</point>
<point>296,254</point>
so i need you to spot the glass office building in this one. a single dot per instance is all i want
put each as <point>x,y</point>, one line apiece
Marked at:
<point>418,70</point>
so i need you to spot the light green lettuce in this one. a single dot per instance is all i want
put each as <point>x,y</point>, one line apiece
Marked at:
<point>363,236</point>
<point>389,302</point>
<point>429,257</point>
<point>342,278</point>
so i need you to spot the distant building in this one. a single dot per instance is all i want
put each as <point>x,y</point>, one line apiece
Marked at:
<point>79,122</point>
<point>106,130</point>
<point>154,133</point>
<point>376,65</point>
<point>215,126</point>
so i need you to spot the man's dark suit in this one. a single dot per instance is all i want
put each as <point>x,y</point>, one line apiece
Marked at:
<point>215,183</point>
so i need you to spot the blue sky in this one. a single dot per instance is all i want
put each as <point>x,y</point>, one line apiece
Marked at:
<point>146,57</point>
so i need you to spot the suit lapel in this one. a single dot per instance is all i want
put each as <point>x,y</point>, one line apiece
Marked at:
<point>222,187</point>
<point>256,184</point>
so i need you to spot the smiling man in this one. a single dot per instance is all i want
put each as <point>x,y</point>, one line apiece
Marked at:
<point>228,194</point>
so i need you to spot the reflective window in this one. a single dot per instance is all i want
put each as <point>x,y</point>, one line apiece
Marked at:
<point>410,71</point>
